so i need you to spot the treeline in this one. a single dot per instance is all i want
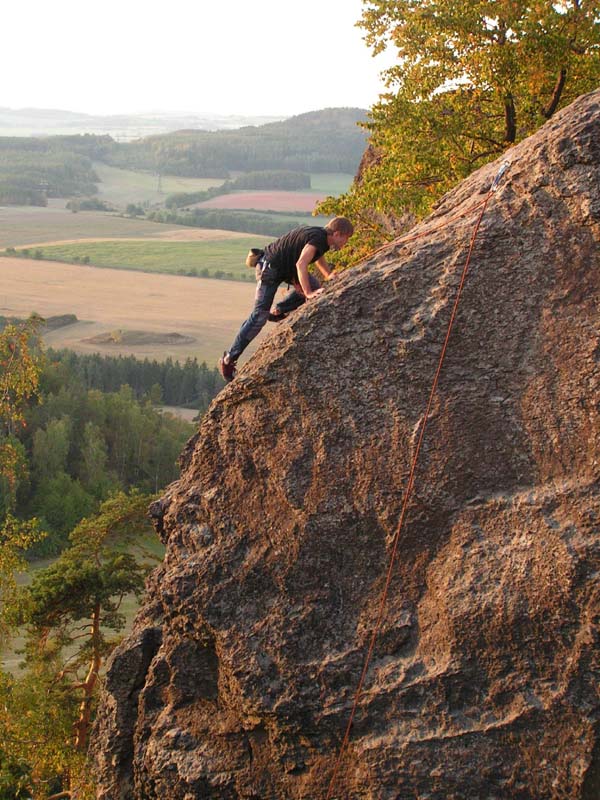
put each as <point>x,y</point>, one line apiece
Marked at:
<point>32,170</point>
<point>329,140</point>
<point>95,430</point>
<point>79,446</point>
<point>190,384</point>
<point>267,179</point>
<point>89,204</point>
<point>270,223</point>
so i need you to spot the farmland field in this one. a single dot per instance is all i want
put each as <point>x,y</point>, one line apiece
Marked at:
<point>28,225</point>
<point>122,186</point>
<point>330,183</point>
<point>265,201</point>
<point>205,258</point>
<point>107,300</point>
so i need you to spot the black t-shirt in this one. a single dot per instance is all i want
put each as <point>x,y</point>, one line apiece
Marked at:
<point>283,253</point>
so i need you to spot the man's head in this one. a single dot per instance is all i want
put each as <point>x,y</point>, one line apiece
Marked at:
<point>339,230</point>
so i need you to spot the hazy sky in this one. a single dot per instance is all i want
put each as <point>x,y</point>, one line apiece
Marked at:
<point>225,56</point>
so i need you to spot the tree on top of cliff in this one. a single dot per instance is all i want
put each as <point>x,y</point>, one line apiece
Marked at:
<point>473,77</point>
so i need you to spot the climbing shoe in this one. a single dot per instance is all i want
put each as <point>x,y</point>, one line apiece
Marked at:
<point>276,317</point>
<point>227,368</point>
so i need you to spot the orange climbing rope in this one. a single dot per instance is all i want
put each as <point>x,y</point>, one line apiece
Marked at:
<point>411,479</point>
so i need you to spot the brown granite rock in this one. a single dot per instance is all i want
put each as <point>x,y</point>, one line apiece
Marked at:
<point>238,679</point>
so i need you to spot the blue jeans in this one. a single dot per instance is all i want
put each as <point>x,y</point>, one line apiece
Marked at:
<point>266,290</point>
<point>294,299</point>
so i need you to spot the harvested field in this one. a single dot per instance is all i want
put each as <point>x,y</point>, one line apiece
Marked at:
<point>105,300</point>
<point>266,201</point>
<point>181,235</point>
<point>22,226</point>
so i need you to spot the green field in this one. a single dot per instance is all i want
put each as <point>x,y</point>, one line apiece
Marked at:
<point>122,186</point>
<point>331,183</point>
<point>201,258</point>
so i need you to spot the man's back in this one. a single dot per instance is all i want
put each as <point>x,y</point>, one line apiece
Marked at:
<point>283,253</point>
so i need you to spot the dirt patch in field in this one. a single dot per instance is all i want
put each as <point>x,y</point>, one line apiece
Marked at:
<point>266,201</point>
<point>132,338</point>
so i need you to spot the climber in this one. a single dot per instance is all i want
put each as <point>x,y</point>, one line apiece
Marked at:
<point>286,260</point>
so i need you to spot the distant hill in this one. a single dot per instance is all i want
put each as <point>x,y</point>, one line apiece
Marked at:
<point>328,140</point>
<point>121,127</point>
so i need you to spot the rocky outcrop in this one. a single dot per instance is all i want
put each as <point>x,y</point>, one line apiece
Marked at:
<point>238,679</point>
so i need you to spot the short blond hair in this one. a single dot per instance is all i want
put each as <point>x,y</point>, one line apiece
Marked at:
<point>341,224</point>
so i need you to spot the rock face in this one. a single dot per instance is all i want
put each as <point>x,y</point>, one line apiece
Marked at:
<point>239,677</point>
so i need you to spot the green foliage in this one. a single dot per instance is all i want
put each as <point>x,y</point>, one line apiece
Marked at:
<point>77,445</point>
<point>16,537</point>
<point>14,473</point>
<point>89,204</point>
<point>20,365</point>
<point>265,223</point>
<point>61,501</point>
<point>472,78</point>
<point>134,210</point>
<point>85,444</point>
<point>72,610</point>
<point>284,180</point>
<point>36,719</point>
<point>190,383</point>
<point>31,170</point>
<point>95,569</point>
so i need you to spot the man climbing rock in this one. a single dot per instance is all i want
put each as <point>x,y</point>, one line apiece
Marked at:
<point>286,260</point>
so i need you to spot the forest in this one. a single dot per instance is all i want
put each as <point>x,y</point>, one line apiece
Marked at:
<point>96,428</point>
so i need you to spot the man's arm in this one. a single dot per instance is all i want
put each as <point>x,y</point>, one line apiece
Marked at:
<point>306,256</point>
<point>325,269</point>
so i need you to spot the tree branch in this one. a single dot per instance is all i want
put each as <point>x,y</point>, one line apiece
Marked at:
<point>510,118</point>
<point>556,94</point>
